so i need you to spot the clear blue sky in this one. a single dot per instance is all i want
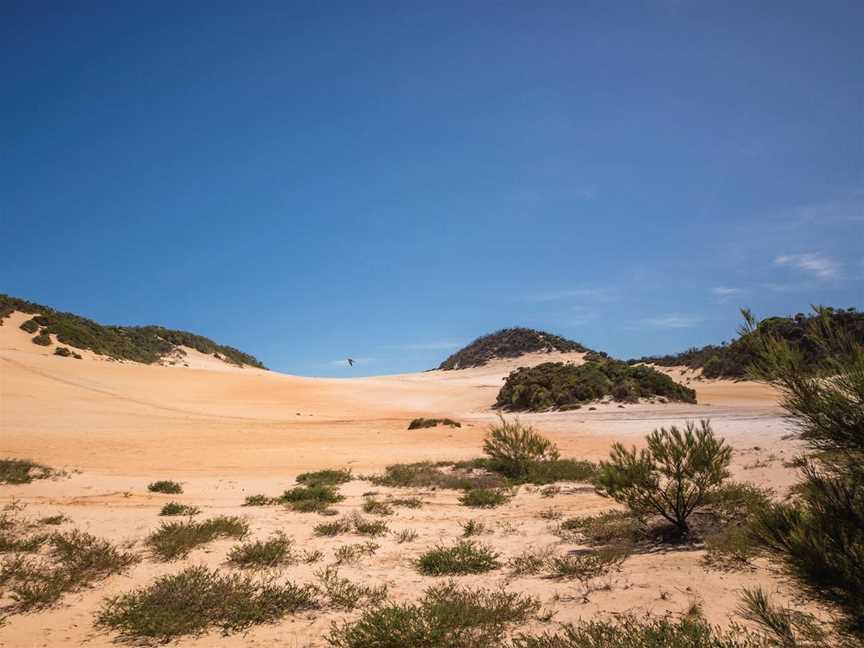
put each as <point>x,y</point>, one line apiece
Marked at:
<point>388,180</point>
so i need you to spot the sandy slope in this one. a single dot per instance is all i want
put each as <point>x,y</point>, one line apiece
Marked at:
<point>228,432</point>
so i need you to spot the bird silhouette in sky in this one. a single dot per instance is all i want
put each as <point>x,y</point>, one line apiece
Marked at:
<point>350,362</point>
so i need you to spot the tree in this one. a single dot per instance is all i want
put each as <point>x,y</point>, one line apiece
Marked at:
<point>819,535</point>
<point>514,448</point>
<point>671,477</point>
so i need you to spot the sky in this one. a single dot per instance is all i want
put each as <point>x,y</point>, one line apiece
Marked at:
<point>387,181</point>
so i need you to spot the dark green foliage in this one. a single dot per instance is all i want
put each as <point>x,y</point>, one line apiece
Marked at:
<point>508,343</point>
<point>259,500</point>
<point>22,471</point>
<point>372,528</point>
<point>311,499</point>
<point>427,474</point>
<point>465,557</point>
<point>473,528</point>
<point>820,535</point>
<point>53,520</point>
<point>43,339</point>
<point>325,477</point>
<point>557,385</point>
<point>13,542</point>
<point>418,423</point>
<point>734,360</point>
<point>30,326</point>
<point>145,344</point>
<point>548,472</point>
<point>513,448</point>
<point>484,498</point>
<point>176,508</point>
<point>165,486</point>
<point>447,616</point>
<point>175,540</point>
<point>785,628</point>
<point>261,554</point>
<point>671,477</point>
<point>197,599</point>
<point>63,352</point>
<point>632,632</point>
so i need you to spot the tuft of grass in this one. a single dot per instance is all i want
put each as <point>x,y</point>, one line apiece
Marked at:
<point>334,528</point>
<point>447,616</point>
<point>313,556</point>
<point>176,508</point>
<point>376,507</point>
<point>426,474</point>
<point>12,542</point>
<point>349,554</point>
<point>419,423</point>
<point>258,500</point>
<point>53,520</point>
<point>407,502</point>
<point>530,562</point>
<point>586,566</point>
<point>465,557</point>
<point>473,528</point>
<point>311,499</point>
<point>175,540</point>
<point>260,554</point>
<point>196,599</point>
<point>342,593</point>
<point>484,498</point>
<point>328,477</point>
<point>22,471</point>
<point>406,535</point>
<point>165,486</point>
<point>609,528</point>
<point>372,528</point>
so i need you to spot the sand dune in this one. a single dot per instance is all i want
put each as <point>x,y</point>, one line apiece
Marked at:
<point>228,432</point>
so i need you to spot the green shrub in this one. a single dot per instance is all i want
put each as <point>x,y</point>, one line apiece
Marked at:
<point>508,343</point>
<point>173,540</point>
<point>176,508</point>
<point>30,326</point>
<point>165,486</point>
<point>429,475</point>
<point>260,554</point>
<point>325,477</point>
<point>465,557</point>
<point>372,528</point>
<point>558,385</point>
<point>190,602</point>
<point>418,423</point>
<point>783,627</point>
<point>530,562</point>
<point>309,499</point>
<point>513,447</point>
<point>407,502</point>
<point>258,500</point>
<point>43,339</point>
<point>348,554</point>
<point>484,498</point>
<point>334,528</point>
<point>406,535</point>
<point>373,506</point>
<point>447,616</point>
<point>585,566</point>
<point>671,477</point>
<point>62,352</point>
<point>549,472</point>
<point>22,471</point>
<point>473,528</point>
<point>609,528</point>
<point>343,594</point>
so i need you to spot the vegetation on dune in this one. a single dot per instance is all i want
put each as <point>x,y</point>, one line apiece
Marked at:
<point>165,486</point>
<point>733,360</point>
<point>557,385</point>
<point>43,339</point>
<point>419,423</point>
<point>819,534</point>
<point>176,508</point>
<point>197,599</point>
<point>175,540</point>
<point>260,554</point>
<point>329,477</point>
<point>514,448</point>
<point>465,557</point>
<point>671,477</point>
<point>484,498</point>
<point>22,471</point>
<point>447,616</point>
<point>341,593</point>
<point>29,326</point>
<point>508,343</point>
<point>145,344</point>
<point>310,499</point>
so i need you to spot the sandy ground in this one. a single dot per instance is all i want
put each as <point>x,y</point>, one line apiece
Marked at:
<point>227,432</point>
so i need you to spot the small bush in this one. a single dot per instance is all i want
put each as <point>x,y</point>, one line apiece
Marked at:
<point>447,616</point>
<point>465,557</point>
<point>311,499</point>
<point>429,475</point>
<point>43,339</point>
<point>407,502</point>
<point>22,471</point>
<point>10,542</point>
<point>473,528</point>
<point>334,528</point>
<point>529,562</point>
<point>432,422</point>
<point>190,602</point>
<point>258,500</point>
<point>586,566</point>
<point>324,477</point>
<point>484,498</point>
<point>175,540</point>
<point>513,448</point>
<point>62,352</point>
<point>549,472</point>
<point>671,477</point>
<point>342,593</point>
<point>372,528</point>
<point>348,554</point>
<point>609,528</point>
<point>165,486</point>
<point>264,553</point>
<point>30,326</point>
<point>375,507</point>
<point>406,535</point>
<point>176,508</point>
<point>53,520</point>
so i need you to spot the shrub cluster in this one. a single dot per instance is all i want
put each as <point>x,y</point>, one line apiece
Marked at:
<point>508,343</point>
<point>418,423</point>
<point>22,471</point>
<point>310,499</point>
<point>173,540</point>
<point>465,557</point>
<point>557,385</point>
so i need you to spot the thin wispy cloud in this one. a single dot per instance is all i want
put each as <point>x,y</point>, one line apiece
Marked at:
<point>724,292</point>
<point>674,321</point>
<point>820,266</point>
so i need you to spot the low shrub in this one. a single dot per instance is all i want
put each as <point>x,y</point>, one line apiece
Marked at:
<point>334,528</point>
<point>30,326</point>
<point>585,566</point>
<point>529,562</point>
<point>406,535</point>
<point>430,475</point>
<point>609,528</point>
<point>447,616</point>
<point>465,557</point>
<point>407,502</point>
<point>62,352</point>
<point>473,528</point>
<point>349,554</point>
<point>548,472</point>
<point>173,540</point>
<point>513,447</point>
<point>196,599</point>
<point>328,477</point>
<point>419,423</point>
<point>372,528</point>
<point>53,520</point>
<point>43,339</point>
<point>484,498</point>
<point>375,507</point>
<point>311,499</point>
<point>22,471</point>
<point>258,500</point>
<point>342,593</point>
<point>260,554</point>
<point>176,508</point>
<point>165,486</point>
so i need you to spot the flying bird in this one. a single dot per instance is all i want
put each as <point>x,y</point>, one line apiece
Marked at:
<point>350,362</point>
